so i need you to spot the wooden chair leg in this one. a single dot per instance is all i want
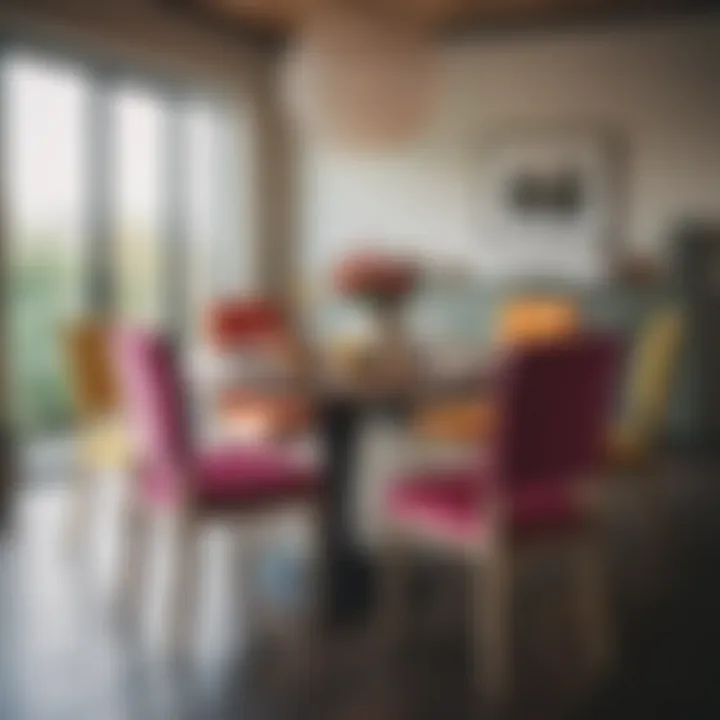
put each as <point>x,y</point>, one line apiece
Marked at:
<point>492,609</point>
<point>246,591</point>
<point>444,602</point>
<point>392,611</point>
<point>312,645</point>
<point>80,511</point>
<point>656,542</point>
<point>309,654</point>
<point>185,595</point>
<point>316,579</point>
<point>133,558</point>
<point>593,600</point>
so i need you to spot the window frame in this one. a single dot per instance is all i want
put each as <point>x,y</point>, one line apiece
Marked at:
<point>105,78</point>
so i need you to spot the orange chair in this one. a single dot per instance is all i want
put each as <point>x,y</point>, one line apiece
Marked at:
<point>255,326</point>
<point>103,443</point>
<point>522,321</point>
<point>530,320</point>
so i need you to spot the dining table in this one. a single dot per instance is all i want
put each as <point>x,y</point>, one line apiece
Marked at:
<point>344,404</point>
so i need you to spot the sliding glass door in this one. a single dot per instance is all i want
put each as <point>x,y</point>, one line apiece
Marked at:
<point>215,194</point>
<point>45,152</point>
<point>122,201</point>
<point>138,127</point>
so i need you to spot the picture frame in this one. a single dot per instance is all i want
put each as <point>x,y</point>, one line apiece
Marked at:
<point>551,203</point>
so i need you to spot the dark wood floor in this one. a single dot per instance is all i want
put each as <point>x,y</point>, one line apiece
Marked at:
<point>63,658</point>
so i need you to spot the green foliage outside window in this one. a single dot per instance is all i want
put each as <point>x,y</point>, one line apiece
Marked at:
<point>42,281</point>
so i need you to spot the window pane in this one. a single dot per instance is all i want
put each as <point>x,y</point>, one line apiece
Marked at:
<point>202,147</point>
<point>140,290</point>
<point>44,131</point>
<point>233,189</point>
<point>219,257</point>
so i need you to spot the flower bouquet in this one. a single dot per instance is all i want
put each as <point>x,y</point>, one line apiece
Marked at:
<point>383,282</point>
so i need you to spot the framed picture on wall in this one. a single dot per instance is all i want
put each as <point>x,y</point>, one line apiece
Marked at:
<point>550,204</point>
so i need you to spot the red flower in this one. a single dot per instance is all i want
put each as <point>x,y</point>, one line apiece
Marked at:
<point>378,276</point>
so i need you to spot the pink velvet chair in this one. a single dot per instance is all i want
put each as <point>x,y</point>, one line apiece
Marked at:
<point>535,484</point>
<point>234,482</point>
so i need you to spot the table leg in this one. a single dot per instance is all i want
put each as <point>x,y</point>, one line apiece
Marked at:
<point>346,571</point>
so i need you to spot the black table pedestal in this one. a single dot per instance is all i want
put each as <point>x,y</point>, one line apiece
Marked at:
<point>348,572</point>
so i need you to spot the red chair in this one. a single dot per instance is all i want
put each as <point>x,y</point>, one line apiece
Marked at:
<point>198,486</point>
<point>235,323</point>
<point>533,486</point>
<point>257,327</point>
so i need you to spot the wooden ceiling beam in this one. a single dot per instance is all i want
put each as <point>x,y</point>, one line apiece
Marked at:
<point>259,35</point>
<point>581,15</point>
<point>268,23</point>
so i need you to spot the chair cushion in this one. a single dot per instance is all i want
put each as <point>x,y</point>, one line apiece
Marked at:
<point>469,421</point>
<point>244,475</point>
<point>454,504</point>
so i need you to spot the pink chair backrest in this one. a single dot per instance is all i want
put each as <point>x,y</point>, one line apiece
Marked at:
<point>554,401</point>
<point>153,399</point>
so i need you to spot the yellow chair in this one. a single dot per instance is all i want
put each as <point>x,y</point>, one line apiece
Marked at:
<point>523,320</point>
<point>645,406</point>
<point>102,440</point>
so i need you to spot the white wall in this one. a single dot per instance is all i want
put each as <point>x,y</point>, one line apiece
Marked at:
<point>658,86</point>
